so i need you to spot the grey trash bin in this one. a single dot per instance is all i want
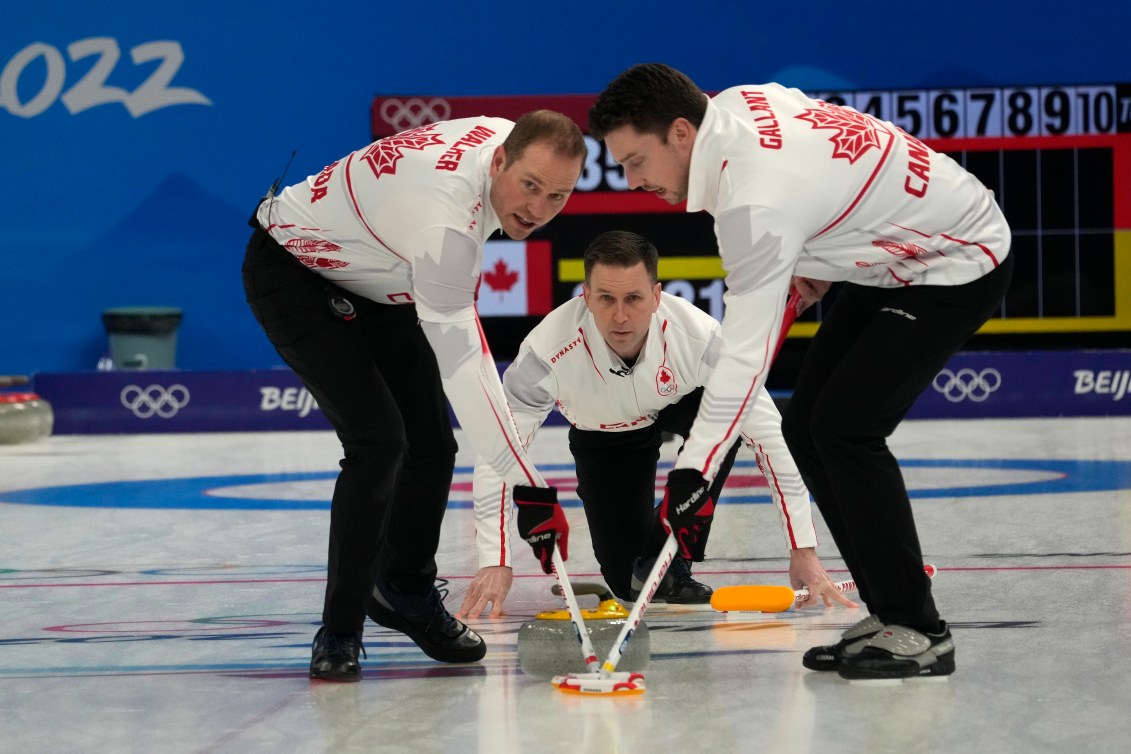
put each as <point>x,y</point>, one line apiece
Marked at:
<point>142,337</point>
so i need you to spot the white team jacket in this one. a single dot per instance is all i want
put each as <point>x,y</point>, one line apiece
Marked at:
<point>403,220</point>
<point>798,186</point>
<point>564,362</point>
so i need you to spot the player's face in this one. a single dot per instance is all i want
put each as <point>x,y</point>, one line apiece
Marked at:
<point>653,164</point>
<point>530,191</point>
<point>622,300</point>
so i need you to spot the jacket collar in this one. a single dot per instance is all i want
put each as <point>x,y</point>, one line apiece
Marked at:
<point>707,162</point>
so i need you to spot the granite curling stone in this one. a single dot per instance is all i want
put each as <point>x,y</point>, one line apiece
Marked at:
<point>548,645</point>
<point>24,417</point>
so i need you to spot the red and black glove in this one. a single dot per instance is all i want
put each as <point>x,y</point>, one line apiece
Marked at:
<point>687,512</point>
<point>541,522</point>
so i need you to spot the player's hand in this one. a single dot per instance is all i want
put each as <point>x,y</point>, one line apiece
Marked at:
<point>541,522</point>
<point>811,290</point>
<point>805,570</point>
<point>687,512</point>
<point>490,586</point>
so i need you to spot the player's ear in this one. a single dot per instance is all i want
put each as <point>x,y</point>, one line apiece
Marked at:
<point>681,132</point>
<point>498,160</point>
<point>656,296</point>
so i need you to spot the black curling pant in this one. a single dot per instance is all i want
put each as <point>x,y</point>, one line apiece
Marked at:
<point>616,481</point>
<point>876,351</point>
<point>375,377</point>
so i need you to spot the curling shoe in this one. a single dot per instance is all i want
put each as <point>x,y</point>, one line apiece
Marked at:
<point>901,652</point>
<point>424,619</point>
<point>830,656</point>
<point>676,588</point>
<point>334,656</point>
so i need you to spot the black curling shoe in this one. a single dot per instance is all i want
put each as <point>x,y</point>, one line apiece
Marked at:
<point>424,619</point>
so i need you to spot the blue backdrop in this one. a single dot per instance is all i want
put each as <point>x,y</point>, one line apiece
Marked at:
<point>136,137</point>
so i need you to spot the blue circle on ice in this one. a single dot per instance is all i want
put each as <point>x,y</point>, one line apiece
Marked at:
<point>926,478</point>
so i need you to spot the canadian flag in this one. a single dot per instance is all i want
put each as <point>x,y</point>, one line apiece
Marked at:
<point>515,279</point>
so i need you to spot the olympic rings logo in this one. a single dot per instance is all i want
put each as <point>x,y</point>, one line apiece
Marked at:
<point>413,112</point>
<point>155,400</point>
<point>966,383</point>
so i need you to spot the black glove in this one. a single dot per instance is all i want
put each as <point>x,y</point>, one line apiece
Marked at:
<point>541,522</point>
<point>687,512</point>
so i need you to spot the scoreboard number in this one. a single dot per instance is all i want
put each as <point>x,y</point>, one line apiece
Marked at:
<point>996,112</point>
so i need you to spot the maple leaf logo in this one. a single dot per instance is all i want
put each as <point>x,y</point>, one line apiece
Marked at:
<point>382,155</point>
<point>304,248</point>
<point>311,246</point>
<point>501,278</point>
<point>855,133</point>
<point>665,381</point>
<point>905,250</point>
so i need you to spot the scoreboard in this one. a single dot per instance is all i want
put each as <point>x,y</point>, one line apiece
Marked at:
<point>997,112</point>
<point>1058,159</point>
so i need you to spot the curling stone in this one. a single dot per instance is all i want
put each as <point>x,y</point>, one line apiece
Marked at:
<point>548,645</point>
<point>24,417</point>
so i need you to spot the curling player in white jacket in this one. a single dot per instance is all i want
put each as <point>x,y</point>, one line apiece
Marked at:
<point>625,363</point>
